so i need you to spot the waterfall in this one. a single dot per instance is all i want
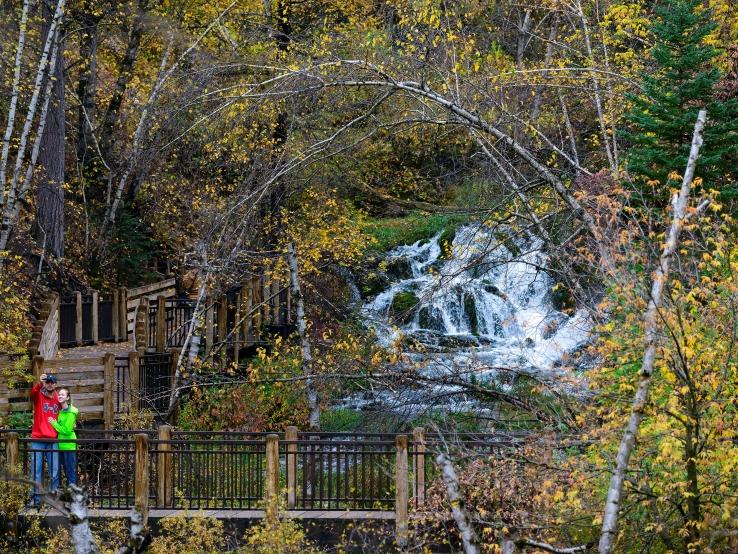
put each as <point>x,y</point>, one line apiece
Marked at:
<point>482,301</point>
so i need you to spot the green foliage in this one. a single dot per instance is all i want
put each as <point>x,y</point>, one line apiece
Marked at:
<point>249,407</point>
<point>393,232</point>
<point>133,249</point>
<point>403,304</point>
<point>17,420</point>
<point>460,422</point>
<point>340,419</point>
<point>663,116</point>
<point>14,329</point>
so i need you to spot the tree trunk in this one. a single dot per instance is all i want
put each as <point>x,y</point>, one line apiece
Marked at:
<point>680,205</point>
<point>469,539</point>
<point>50,192</point>
<point>125,73</point>
<point>693,499</point>
<point>13,194</point>
<point>86,87</point>
<point>82,538</point>
<point>307,355</point>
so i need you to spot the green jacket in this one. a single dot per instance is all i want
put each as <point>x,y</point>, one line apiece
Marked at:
<point>64,425</point>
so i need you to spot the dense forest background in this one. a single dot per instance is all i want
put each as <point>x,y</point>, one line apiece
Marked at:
<point>151,137</point>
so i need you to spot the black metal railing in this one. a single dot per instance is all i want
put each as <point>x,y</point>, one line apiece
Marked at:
<point>105,318</point>
<point>228,470</point>
<point>87,306</point>
<point>178,316</point>
<point>122,393</point>
<point>154,380</point>
<point>104,468</point>
<point>67,320</point>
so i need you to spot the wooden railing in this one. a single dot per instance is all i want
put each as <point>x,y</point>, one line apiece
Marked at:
<point>89,380</point>
<point>235,320</point>
<point>102,387</point>
<point>45,336</point>
<point>242,317</point>
<point>181,470</point>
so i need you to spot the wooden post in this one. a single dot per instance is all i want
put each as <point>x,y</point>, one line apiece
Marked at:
<point>265,294</point>
<point>141,325</point>
<point>78,322</point>
<point>114,316</point>
<point>11,452</point>
<point>141,478</point>
<point>95,317</point>
<point>290,435</point>
<point>257,304</point>
<point>419,465</point>
<point>164,468</point>
<point>271,490</point>
<point>37,367</point>
<point>274,293</point>
<point>174,353</point>
<point>209,331</point>
<point>288,308</point>
<point>401,491</point>
<point>134,382</point>
<point>237,329</point>
<point>245,312</point>
<point>222,318</point>
<point>122,313</point>
<point>161,324</point>
<point>109,380</point>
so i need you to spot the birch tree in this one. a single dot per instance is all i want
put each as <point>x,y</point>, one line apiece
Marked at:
<point>681,213</point>
<point>13,192</point>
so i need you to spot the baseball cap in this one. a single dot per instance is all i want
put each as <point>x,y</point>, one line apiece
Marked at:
<point>50,378</point>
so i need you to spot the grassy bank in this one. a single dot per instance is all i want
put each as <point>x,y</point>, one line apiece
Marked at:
<point>396,231</point>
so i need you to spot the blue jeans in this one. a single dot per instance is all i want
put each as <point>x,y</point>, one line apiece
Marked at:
<point>69,465</point>
<point>49,452</point>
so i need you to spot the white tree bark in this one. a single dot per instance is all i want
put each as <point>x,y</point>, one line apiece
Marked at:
<point>163,77</point>
<point>137,536</point>
<point>680,205</point>
<point>596,90</point>
<point>469,539</point>
<point>13,101</point>
<point>191,346</point>
<point>10,205</point>
<point>307,355</point>
<point>82,538</point>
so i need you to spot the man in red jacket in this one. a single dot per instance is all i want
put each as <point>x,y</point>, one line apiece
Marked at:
<point>45,405</point>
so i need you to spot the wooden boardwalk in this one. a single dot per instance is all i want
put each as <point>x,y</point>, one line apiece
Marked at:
<point>237,475</point>
<point>336,515</point>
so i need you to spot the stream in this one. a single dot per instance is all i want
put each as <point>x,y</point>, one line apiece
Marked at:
<point>465,312</point>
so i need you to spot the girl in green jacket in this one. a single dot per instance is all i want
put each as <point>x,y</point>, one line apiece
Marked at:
<point>64,425</point>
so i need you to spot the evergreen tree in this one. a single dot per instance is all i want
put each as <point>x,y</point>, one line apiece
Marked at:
<point>681,80</point>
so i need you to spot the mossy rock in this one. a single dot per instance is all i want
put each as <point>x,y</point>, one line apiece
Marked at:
<point>403,305</point>
<point>470,308</point>
<point>426,320</point>
<point>494,289</point>
<point>398,268</point>
<point>373,282</point>
<point>562,299</point>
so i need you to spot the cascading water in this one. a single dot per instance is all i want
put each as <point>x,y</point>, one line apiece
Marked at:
<point>480,306</point>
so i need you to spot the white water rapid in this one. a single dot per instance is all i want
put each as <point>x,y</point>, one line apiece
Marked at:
<point>476,309</point>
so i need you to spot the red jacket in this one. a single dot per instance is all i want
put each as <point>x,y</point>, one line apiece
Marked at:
<point>43,407</point>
